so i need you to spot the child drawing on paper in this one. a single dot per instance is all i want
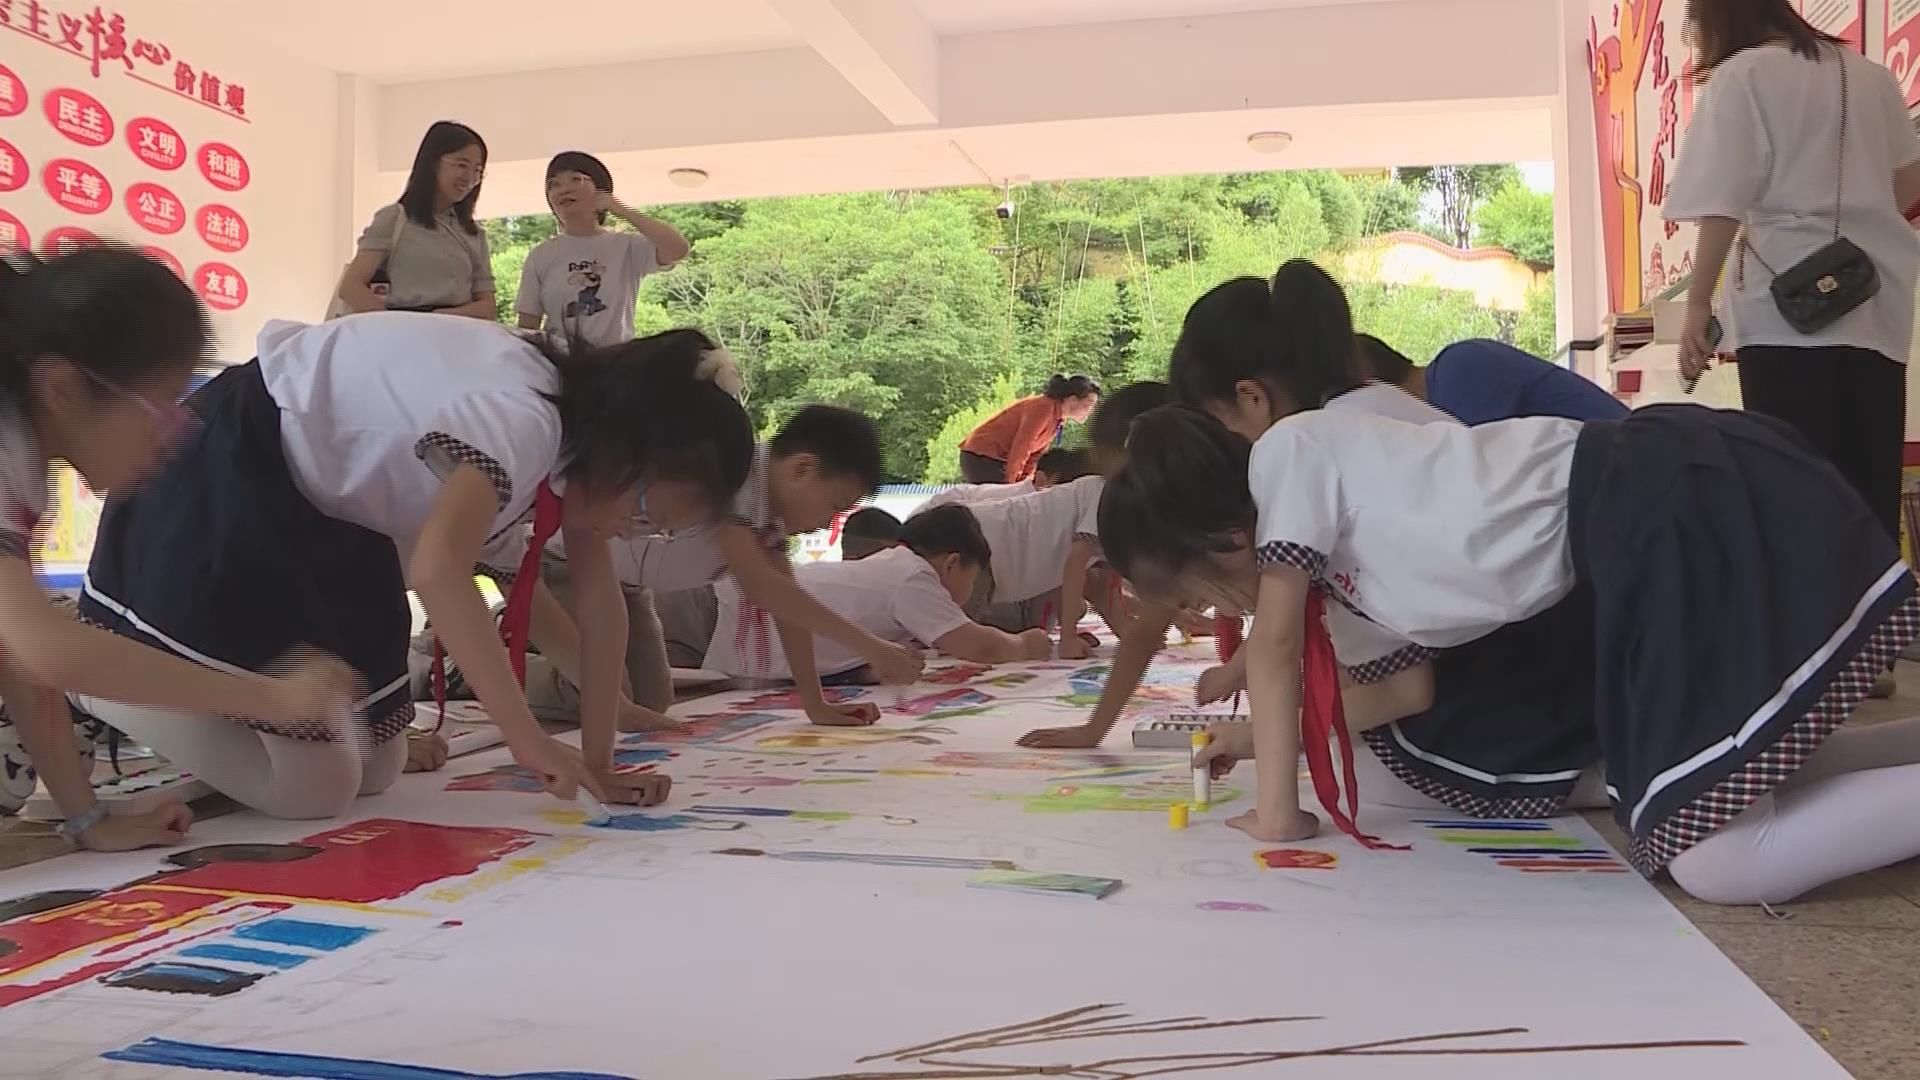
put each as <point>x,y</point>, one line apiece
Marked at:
<point>1739,805</point>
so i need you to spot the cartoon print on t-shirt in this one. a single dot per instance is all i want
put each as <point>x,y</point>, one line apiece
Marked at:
<point>586,276</point>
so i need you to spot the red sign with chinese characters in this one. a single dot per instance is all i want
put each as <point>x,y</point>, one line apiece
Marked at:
<point>13,233</point>
<point>155,209</point>
<point>79,116</point>
<point>13,167</point>
<point>77,186</point>
<point>164,258</point>
<point>220,285</point>
<point>100,39</point>
<point>66,238</point>
<point>13,93</point>
<point>156,143</point>
<point>221,227</point>
<point>223,166</point>
<point>1903,47</point>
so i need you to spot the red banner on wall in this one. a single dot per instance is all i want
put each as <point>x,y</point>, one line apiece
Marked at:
<point>221,286</point>
<point>79,116</point>
<point>155,209</point>
<point>13,233</point>
<point>223,167</point>
<point>13,93</point>
<point>77,186</point>
<point>13,167</point>
<point>156,143</point>
<point>1903,47</point>
<point>1844,19</point>
<point>66,238</point>
<point>221,227</point>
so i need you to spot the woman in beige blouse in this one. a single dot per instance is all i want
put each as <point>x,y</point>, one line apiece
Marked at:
<point>425,252</point>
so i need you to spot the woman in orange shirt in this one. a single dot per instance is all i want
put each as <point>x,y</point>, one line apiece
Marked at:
<point>1004,449</point>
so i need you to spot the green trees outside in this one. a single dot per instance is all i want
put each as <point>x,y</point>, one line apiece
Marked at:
<point>928,312</point>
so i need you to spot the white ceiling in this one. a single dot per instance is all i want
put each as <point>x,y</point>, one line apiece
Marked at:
<point>973,16</point>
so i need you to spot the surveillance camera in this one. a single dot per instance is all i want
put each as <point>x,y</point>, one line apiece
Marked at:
<point>1005,210</point>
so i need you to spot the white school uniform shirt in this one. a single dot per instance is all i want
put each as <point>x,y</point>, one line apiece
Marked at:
<point>1365,648</point>
<point>1030,535</point>
<point>1438,533</point>
<point>24,485</point>
<point>585,286</point>
<point>377,410</point>
<point>895,595</point>
<point>1761,150</point>
<point>666,562</point>
<point>968,494</point>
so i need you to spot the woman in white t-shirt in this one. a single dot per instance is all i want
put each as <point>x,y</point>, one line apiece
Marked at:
<point>583,283</point>
<point>1794,128</point>
<point>96,347</point>
<point>1741,604</point>
<point>357,458</point>
<point>425,252</point>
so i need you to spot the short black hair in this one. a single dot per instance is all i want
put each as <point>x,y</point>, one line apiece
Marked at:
<point>579,161</point>
<point>1107,427</point>
<point>846,442</point>
<point>1375,359</point>
<point>1064,465</point>
<point>871,523</point>
<point>947,530</point>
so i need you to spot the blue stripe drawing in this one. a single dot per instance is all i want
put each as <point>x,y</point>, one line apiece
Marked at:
<point>272,958</point>
<point>235,1061</point>
<point>325,937</point>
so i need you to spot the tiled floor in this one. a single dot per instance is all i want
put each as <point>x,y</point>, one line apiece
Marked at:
<point>1844,961</point>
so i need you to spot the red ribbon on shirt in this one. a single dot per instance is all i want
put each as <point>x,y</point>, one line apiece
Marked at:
<point>518,617</point>
<point>1226,636</point>
<point>1323,715</point>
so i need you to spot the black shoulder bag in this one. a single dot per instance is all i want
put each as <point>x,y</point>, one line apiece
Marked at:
<point>1819,290</point>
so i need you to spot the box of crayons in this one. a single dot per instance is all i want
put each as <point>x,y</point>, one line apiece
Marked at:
<point>1174,731</point>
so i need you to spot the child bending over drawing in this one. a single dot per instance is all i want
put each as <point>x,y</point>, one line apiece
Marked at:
<point>823,461</point>
<point>1715,684</point>
<point>906,594</point>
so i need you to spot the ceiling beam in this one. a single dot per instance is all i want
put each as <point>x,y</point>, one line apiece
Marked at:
<point>883,48</point>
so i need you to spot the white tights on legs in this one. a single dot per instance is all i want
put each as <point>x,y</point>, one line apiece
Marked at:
<point>1853,807</point>
<point>276,775</point>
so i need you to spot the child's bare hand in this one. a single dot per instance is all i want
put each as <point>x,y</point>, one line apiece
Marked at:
<point>1216,684</point>
<point>310,685</point>
<point>162,826</point>
<point>1290,828</point>
<point>635,789</point>
<point>426,751</point>
<point>560,768</point>
<point>1227,745</point>
<point>897,665</point>
<point>1036,644</point>
<point>1073,647</point>
<point>858,714</point>
<point>1077,737</point>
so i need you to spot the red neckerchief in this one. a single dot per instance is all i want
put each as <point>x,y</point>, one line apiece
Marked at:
<point>1323,715</point>
<point>514,622</point>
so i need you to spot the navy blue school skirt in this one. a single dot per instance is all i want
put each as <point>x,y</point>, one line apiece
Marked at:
<point>218,558</point>
<point>1735,601</point>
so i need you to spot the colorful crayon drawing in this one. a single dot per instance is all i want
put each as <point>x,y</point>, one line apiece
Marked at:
<point>943,703</point>
<point>516,778</point>
<point>790,699</point>
<point>816,738</point>
<point>243,892</point>
<point>233,1061</point>
<point>955,675</point>
<point>638,822</point>
<point>1061,766</point>
<point>1532,847</point>
<point>1146,797</point>
<point>1010,680</point>
<point>1162,685</point>
<point>706,729</point>
<point>1296,859</point>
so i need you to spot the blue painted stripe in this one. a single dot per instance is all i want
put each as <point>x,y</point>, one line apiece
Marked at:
<point>242,954</point>
<point>223,1059</point>
<point>1490,826</point>
<point>310,935</point>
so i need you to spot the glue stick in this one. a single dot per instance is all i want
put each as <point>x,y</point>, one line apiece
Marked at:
<point>1177,816</point>
<point>1202,775</point>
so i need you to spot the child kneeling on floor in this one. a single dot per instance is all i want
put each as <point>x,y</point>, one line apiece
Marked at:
<point>908,593</point>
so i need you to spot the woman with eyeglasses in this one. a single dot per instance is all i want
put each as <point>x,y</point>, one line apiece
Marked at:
<point>426,252</point>
<point>95,348</point>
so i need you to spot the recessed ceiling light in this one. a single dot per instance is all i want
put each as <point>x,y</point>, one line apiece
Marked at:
<point>687,178</point>
<point>1269,142</point>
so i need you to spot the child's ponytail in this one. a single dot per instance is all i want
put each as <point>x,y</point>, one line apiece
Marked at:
<point>1310,313</point>
<point>1180,495</point>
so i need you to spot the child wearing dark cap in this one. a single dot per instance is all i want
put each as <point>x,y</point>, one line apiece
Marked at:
<point>582,283</point>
